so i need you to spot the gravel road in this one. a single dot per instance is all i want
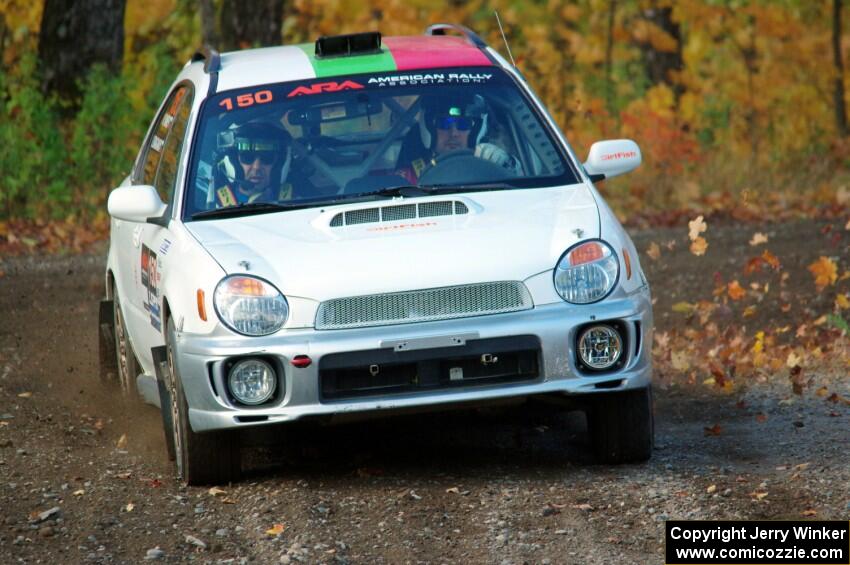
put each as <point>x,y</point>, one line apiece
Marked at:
<point>84,476</point>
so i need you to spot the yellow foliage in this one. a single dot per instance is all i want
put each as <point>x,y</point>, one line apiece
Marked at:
<point>661,100</point>
<point>645,31</point>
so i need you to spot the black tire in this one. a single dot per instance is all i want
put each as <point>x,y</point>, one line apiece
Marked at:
<point>622,426</point>
<point>126,364</point>
<point>207,458</point>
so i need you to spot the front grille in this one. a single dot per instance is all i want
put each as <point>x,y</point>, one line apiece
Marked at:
<point>423,305</point>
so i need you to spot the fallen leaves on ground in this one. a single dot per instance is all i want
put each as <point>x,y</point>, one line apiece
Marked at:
<point>654,251</point>
<point>838,399</point>
<point>758,239</point>
<point>793,360</point>
<point>698,243</point>
<point>679,361</point>
<point>771,260</point>
<point>735,291</point>
<point>696,227</point>
<point>825,272</point>
<point>699,246</point>
<point>759,494</point>
<point>276,530</point>
<point>714,430</point>
<point>18,237</point>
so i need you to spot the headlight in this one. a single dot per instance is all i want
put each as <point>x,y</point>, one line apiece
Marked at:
<point>252,381</point>
<point>587,272</point>
<point>250,306</point>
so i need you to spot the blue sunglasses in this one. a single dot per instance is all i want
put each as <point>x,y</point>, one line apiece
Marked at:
<point>459,122</point>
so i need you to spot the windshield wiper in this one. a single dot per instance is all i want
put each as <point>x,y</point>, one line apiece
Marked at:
<point>482,187</point>
<point>407,190</point>
<point>427,190</point>
<point>249,209</point>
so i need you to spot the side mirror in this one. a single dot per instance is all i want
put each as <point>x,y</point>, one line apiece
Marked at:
<point>135,203</point>
<point>612,158</point>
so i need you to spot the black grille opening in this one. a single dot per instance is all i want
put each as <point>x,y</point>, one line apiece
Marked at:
<point>387,372</point>
<point>637,339</point>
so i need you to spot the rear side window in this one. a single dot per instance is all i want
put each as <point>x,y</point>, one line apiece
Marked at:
<point>159,165</point>
<point>166,173</point>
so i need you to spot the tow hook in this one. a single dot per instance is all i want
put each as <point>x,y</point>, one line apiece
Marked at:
<point>489,359</point>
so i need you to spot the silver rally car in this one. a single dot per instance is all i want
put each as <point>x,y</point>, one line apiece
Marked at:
<point>368,226</point>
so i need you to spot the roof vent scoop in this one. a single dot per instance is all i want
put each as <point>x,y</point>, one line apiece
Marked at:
<point>345,45</point>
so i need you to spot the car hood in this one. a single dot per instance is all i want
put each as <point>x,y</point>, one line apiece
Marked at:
<point>478,237</point>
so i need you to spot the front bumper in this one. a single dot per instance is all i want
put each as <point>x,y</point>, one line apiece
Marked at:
<point>200,360</point>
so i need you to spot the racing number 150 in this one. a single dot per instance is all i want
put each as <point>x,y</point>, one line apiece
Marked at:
<point>245,100</point>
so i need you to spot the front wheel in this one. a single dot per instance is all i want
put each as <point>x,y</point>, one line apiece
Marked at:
<point>622,426</point>
<point>202,459</point>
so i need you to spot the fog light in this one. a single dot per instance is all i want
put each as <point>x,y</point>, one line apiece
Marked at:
<point>600,347</point>
<point>252,381</point>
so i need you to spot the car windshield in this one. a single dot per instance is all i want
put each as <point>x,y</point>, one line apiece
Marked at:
<point>369,136</point>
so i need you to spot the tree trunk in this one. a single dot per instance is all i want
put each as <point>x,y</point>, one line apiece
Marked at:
<point>838,95</point>
<point>209,36</point>
<point>609,56</point>
<point>249,24</point>
<point>662,65</point>
<point>74,36</point>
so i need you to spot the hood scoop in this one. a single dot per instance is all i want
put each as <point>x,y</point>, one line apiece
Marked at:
<point>396,212</point>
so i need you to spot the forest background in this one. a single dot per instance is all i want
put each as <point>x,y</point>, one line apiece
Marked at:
<point>739,106</point>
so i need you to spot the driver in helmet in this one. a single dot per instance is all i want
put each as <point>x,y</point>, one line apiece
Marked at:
<point>254,163</point>
<point>457,124</point>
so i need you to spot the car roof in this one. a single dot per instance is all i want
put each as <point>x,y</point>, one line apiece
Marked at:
<point>239,69</point>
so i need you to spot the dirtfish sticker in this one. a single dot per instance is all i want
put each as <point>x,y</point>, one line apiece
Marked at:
<point>430,78</point>
<point>150,282</point>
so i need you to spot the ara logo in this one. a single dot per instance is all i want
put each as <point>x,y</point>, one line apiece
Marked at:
<point>320,87</point>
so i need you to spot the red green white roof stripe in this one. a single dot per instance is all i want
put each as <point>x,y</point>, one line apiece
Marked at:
<point>402,54</point>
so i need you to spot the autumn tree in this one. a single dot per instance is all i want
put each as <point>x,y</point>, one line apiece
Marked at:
<point>209,31</point>
<point>840,108</point>
<point>659,38</point>
<point>74,36</point>
<point>609,55</point>
<point>249,24</point>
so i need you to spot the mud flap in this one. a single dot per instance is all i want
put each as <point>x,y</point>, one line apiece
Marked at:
<point>106,342</point>
<point>160,363</point>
